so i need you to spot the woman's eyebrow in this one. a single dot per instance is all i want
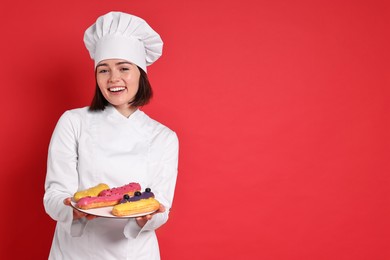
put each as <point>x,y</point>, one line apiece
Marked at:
<point>123,62</point>
<point>118,63</point>
<point>101,64</point>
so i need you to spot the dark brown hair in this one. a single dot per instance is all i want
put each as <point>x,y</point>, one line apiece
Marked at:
<point>142,97</point>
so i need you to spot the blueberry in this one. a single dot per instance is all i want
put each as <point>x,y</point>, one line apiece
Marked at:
<point>148,190</point>
<point>137,193</point>
<point>126,196</point>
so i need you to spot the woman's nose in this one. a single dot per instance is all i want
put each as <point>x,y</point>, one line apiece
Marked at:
<point>114,76</point>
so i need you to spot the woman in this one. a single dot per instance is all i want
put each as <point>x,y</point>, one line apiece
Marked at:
<point>112,142</point>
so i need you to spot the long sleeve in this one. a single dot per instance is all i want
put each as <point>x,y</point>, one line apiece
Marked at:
<point>163,184</point>
<point>62,177</point>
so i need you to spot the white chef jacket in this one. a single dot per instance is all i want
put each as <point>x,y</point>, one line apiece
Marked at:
<point>90,147</point>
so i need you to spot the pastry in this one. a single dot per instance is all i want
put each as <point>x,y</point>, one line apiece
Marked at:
<point>108,197</point>
<point>93,191</point>
<point>141,202</point>
<point>125,189</point>
<point>99,201</point>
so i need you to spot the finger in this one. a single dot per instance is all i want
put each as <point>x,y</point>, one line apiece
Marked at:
<point>141,221</point>
<point>147,217</point>
<point>79,214</point>
<point>144,218</point>
<point>90,217</point>
<point>162,208</point>
<point>67,201</point>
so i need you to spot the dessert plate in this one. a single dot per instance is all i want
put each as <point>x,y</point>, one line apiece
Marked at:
<point>106,212</point>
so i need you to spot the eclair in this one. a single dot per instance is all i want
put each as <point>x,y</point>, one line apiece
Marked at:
<point>91,192</point>
<point>141,202</point>
<point>109,197</point>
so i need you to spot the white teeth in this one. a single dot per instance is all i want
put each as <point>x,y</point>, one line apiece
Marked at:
<point>117,89</point>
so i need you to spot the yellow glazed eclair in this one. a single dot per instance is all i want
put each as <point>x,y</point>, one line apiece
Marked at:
<point>91,192</point>
<point>138,204</point>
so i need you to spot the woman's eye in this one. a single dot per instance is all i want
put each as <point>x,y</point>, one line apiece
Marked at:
<point>102,71</point>
<point>124,69</point>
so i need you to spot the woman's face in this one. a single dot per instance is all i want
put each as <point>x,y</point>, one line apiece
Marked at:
<point>118,80</point>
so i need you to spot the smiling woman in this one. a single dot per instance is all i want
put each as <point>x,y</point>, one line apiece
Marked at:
<point>112,142</point>
<point>118,82</point>
<point>126,72</point>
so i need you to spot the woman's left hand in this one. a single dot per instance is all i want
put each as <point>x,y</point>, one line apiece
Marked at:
<point>141,221</point>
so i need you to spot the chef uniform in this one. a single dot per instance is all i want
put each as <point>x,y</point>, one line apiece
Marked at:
<point>92,147</point>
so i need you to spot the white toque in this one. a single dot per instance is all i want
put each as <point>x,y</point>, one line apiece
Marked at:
<point>118,35</point>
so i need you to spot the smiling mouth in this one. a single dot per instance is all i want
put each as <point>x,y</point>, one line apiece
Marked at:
<point>116,89</point>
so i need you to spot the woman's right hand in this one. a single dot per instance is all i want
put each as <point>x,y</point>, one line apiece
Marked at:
<point>78,214</point>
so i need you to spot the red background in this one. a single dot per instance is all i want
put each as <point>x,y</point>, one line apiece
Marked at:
<point>281,107</point>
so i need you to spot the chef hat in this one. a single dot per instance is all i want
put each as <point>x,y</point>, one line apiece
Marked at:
<point>118,35</point>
